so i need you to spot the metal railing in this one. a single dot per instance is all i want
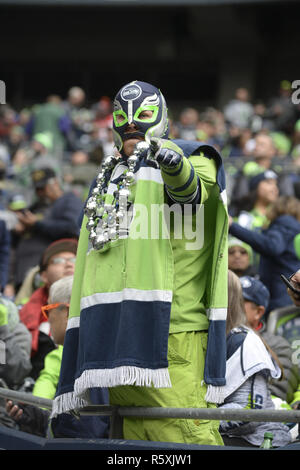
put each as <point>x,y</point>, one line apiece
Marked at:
<point>117,413</point>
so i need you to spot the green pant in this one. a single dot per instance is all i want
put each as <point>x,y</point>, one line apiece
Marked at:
<point>186,356</point>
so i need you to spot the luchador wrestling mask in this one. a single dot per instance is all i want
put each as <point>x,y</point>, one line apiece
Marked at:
<point>130,105</point>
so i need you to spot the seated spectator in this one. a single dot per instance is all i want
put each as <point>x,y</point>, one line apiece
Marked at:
<point>58,261</point>
<point>288,326</point>
<point>54,216</point>
<point>42,154</point>
<point>256,300</point>
<point>236,143</point>
<point>263,192</point>
<point>248,368</point>
<point>33,420</point>
<point>15,347</point>
<point>275,246</point>
<point>240,258</point>
<point>56,314</point>
<point>79,174</point>
<point>263,155</point>
<point>30,284</point>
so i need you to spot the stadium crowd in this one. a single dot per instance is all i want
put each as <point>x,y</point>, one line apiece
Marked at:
<point>49,155</point>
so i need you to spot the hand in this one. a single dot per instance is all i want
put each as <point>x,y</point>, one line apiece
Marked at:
<point>295,298</point>
<point>19,228</point>
<point>14,411</point>
<point>296,405</point>
<point>27,218</point>
<point>165,152</point>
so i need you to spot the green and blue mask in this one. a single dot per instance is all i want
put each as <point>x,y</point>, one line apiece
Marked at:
<point>129,106</point>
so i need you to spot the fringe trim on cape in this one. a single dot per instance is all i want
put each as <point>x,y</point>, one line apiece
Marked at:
<point>215,394</point>
<point>124,375</point>
<point>67,402</point>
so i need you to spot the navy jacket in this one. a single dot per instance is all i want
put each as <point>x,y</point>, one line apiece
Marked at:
<point>62,218</point>
<point>276,247</point>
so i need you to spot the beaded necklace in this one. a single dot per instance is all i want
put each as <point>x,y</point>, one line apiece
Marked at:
<point>106,221</point>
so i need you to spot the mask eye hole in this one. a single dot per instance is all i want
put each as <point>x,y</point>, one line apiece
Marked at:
<point>145,114</point>
<point>120,118</point>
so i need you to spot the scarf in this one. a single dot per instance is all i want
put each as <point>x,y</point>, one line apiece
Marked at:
<point>118,327</point>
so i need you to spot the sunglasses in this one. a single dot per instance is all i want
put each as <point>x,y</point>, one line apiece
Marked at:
<point>46,308</point>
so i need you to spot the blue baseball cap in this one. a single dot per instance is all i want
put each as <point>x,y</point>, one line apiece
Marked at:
<point>265,175</point>
<point>255,291</point>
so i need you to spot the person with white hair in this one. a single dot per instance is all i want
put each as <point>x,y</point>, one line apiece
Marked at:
<point>30,418</point>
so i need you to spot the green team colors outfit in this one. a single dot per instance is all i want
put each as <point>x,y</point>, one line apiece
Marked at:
<point>148,311</point>
<point>46,383</point>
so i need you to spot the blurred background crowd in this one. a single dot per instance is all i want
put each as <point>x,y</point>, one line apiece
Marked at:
<point>69,136</point>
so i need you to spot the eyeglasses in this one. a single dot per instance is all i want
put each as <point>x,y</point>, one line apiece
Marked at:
<point>60,260</point>
<point>47,308</point>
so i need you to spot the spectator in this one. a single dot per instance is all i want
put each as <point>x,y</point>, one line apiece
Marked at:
<point>256,300</point>
<point>4,255</point>
<point>34,420</point>
<point>103,118</point>
<point>188,124</point>
<point>240,258</point>
<point>79,174</point>
<point>58,218</point>
<point>7,120</point>
<point>259,121</point>
<point>16,139</point>
<point>296,140</point>
<point>275,246</point>
<point>253,207</point>
<point>58,261</point>
<point>239,111</point>
<point>50,118</point>
<point>75,99</point>
<point>237,141</point>
<point>249,365</point>
<point>281,110</point>
<point>263,191</point>
<point>42,154</point>
<point>126,275</point>
<point>78,117</point>
<point>15,345</point>
<point>288,327</point>
<point>263,153</point>
<point>7,185</point>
